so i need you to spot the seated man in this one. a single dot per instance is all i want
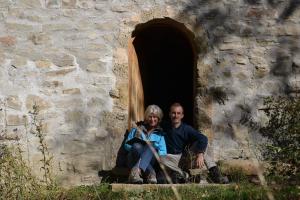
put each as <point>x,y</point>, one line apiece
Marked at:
<point>178,136</point>
<point>142,143</point>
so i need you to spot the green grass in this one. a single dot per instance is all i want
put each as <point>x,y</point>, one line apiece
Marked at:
<point>244,191</point>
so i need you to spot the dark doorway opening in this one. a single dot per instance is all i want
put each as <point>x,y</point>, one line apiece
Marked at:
<point>167,61</point>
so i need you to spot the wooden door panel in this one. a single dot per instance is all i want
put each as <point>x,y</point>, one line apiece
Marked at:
<point>136,93</point>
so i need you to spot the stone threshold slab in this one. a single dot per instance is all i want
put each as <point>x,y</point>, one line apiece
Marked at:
<point>116,187</point>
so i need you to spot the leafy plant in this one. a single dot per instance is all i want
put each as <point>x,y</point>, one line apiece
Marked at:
<point>16,180</point>
<point>283,131</point>
<point>37,130</point>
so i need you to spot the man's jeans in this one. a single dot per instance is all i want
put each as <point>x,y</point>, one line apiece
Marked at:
<point>141,156</point>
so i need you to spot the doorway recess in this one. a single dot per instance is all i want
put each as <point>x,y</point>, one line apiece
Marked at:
<point>166,61</point>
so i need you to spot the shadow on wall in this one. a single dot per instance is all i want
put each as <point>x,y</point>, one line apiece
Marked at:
<point>221,20</point>
<point>120,172</point>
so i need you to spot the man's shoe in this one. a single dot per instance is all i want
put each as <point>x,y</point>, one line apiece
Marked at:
<point>135,176</point>
<point>180,178</point>
<point>216,177</point>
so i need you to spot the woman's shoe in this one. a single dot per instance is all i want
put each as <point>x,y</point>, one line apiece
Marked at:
<point>151,178</point>
<point>135,176</point>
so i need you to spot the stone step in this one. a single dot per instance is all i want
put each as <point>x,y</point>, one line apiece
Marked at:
<point>116,187</point>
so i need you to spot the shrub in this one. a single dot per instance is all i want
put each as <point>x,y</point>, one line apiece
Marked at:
<point>16,180</point>
<point>283,131</point>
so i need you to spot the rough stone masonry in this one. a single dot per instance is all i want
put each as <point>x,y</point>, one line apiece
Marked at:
<point>69,57</point>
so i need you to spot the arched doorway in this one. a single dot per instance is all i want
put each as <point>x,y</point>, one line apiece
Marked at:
<point>166,59</point>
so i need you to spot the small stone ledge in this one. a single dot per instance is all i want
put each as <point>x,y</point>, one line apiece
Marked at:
<point>116,187</point>
<point>248,167</point>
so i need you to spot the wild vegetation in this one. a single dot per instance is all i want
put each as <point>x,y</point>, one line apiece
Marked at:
<point>283,131</point>
<point>37,130</point>
<point>16,180</point>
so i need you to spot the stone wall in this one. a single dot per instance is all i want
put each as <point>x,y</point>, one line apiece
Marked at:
<point>69,57</point>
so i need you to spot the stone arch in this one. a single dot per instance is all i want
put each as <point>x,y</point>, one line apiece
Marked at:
<point>165,63</point>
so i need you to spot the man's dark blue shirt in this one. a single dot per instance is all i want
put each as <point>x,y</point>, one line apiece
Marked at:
<point>178,138</point>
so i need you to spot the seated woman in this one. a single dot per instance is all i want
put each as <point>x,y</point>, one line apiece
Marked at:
<point>142,142</point>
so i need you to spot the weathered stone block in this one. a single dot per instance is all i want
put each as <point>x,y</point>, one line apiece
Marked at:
<point>109,37</point>
<point>203,71</point>
<point>294,83</point>
<point>18,62</point>
<point>61,72</point>
<point>14,102</point>
<point>261,71</point>
<point>68,3</point>
<point>96,102</point>
<point>85,4</point>
<point>120,71</point>
<point>204,119</point>
<point>30,3</point>
<point>296,60</point>
<point>2,57</point>
<point>242,60</point>
<point>103,80</point>
<point>98,133</point>
<point>96,89</point>
<point>283,65</point>
<point>123,93</point>
<point>120,56</point>
<point>5,3</point>
<point>240,134</point>
<point>39,38</point>
<point>260,64</point>
<point>52,84</point>
<point>116,7</point>
<point>16,120</point>
<point>77,117</point>
<point>43,64</point>
<point>242,76</point>
<point>100,6</point>
<point>232,39</point>
<point>32,100</point>
<point>62,60</point>
<point>58,27</point>
<point>72,91</point>
<point>22,27</point>
<point>2,119</point>
<point>69,103</point>
<point>114,93</point>
<point>98,67</point>
<point>91,179</point>
<point>247,166</point>
<point>230,46</point>
<point>8,41</point>
<point>53,3</point>
<point>288,30</point>
<point>106,26</point>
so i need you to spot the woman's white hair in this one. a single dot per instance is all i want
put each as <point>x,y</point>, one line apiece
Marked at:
<point>155,110</point>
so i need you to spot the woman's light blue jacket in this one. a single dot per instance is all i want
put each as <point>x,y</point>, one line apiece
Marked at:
<point>156,137</point>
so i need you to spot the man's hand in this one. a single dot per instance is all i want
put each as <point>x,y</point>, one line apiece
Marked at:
<point>200,160</point>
